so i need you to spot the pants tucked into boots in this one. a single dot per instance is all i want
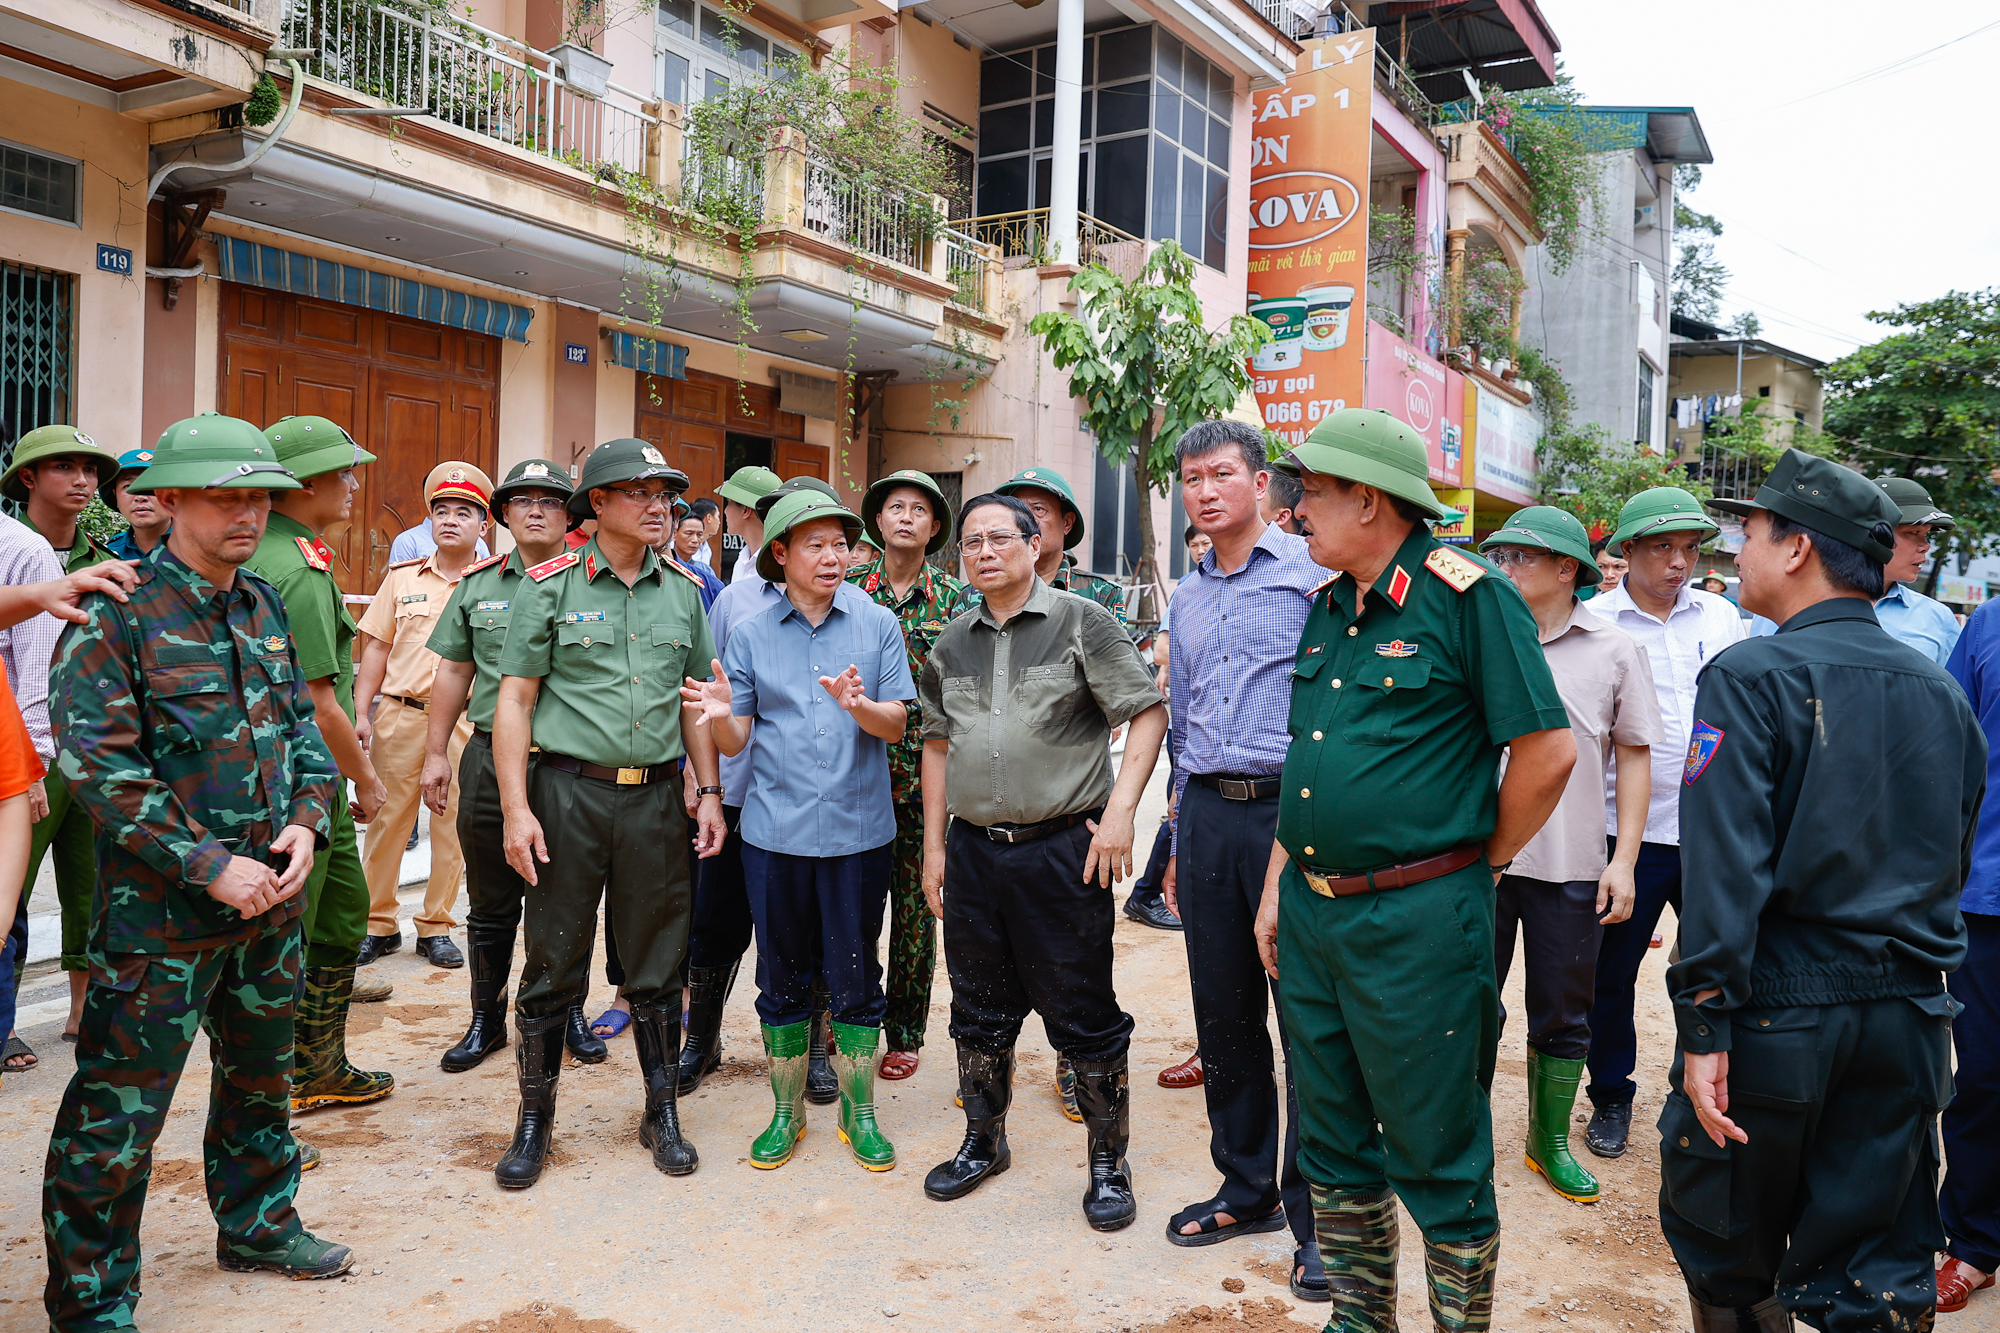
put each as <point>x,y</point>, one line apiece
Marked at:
<point>139,1020</point>
<point>494,891</point>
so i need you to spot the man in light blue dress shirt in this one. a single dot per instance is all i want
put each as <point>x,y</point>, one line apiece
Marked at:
<point>1910,617</point>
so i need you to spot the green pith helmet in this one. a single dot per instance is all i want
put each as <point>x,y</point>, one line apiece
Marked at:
<point>769,499</point>
<point>314,446</point>
<point>1915,503</point>
<point>46,442</point>
<point>622,460</point>
<point>747,485</point>
<point>1056,484</point>
<point>534,474</point>
<point>787,514</point>
<point>1661,509</point>
<point>209,451</point>
<point>1371,447</point>
<point>1820,495</point>
<point>878,495</point>
<point>130,464</point>
<point>1546,528</point>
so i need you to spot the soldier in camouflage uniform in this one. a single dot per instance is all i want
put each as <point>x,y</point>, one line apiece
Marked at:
<point>191,744</point>
<point>906,517</point>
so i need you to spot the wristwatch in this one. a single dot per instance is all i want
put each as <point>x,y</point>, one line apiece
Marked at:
<point>708,791</point>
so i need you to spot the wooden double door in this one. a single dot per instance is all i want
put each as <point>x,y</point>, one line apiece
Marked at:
<point>694,421</point>
<point>412,393</point>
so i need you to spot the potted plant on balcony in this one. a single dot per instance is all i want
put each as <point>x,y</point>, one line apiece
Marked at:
<point>585,71</point>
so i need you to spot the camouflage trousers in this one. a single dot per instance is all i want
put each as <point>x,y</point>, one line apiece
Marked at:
<point>139,1019</point>
<point>912,936</point>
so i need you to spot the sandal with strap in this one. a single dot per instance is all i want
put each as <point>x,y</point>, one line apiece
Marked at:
<point>615,1019</point>
<point>1956,1281</point>
<point>1187,1074</point>
<point>1213,1232</point>
<point>17,1047</point>
<point>897,1065</point>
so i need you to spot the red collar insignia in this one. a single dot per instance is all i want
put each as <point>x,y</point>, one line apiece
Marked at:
<point>1399,587</point>
<point>316,552</point>
<point>590,567</point>
<point>551,567</point>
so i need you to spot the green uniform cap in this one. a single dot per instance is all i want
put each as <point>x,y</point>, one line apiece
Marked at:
<point>1915,502</point>
<point>314,446</point>
<point>878,495</point>
<point>787,514</point>
<point>1052,481</point>
<point>813,485</point>
<point>46,442</point>
<point>622,460</point>
<point>1371,447</point>
<point>534,474</point>
<point>747,485</point>
<point>211,450</point>
<point>1821,496</point>
<point>1546,528</point>
<point>1661,509</point>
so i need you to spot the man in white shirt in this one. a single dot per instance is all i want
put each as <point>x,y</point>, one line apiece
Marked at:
<point>1659,534</point>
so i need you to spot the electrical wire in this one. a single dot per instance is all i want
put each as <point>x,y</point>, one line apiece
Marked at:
<point>1894,66</point>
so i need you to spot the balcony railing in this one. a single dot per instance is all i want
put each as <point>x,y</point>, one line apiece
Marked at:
<point>967,261</point>
<point>1296,19</point>
<point>468,76</point>
<point>884,223</point>
<point>1025,235</point>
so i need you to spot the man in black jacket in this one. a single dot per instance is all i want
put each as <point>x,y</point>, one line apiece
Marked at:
<point>1832,781</point>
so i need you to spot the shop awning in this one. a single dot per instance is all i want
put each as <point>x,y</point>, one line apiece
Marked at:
<point>648,355</point>
<point>302,275</point>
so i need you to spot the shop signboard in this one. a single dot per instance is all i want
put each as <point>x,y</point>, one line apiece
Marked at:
<point>1308,233</point>
<point>1415,387</point>
<point>1504,464</point>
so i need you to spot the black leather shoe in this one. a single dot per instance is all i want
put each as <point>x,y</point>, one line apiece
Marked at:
<point>1150,909</point>
<point>538,1061</point>
<point>1610,1125</point>
<point>585,1045</point>
<point>708,991</point>
<point>1101,1095</point>
<point>822,1084</point>
<point>492,957</point>
<point>656,1035</point>
<point>440,950</point>
<point>374,946</point>
<point>985,1087</point>
<point>411,845</point>
<point>1310,1285</point>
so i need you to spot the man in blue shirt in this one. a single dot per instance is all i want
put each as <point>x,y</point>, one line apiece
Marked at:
<point>1910,617</point>
<point>818,821</point>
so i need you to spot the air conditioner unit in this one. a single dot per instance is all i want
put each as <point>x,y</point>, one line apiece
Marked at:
<point>1644,216</point>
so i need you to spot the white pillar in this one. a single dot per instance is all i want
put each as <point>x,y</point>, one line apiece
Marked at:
<point>1068,134</point>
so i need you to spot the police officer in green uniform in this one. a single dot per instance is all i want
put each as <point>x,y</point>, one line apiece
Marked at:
<point>294,558</point>
<point>533,502</point>
<point>187,735</point>
<point>599,642</point>
<point>1832,782</point>
<point>1417,666</point>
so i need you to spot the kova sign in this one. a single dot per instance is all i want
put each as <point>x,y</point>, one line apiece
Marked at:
<point>1309,233</point>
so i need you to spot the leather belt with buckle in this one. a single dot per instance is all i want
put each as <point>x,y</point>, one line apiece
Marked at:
<point>1240,788</point>
<point>1345,884</point>
<point>421,705</point>
<point>624,777</point>
<point>1016,834</point>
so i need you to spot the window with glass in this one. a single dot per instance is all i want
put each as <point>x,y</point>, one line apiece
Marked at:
<point>1155,137</point>
<point>701,51</point>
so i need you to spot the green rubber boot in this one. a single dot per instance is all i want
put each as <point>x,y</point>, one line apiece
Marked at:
<point>854,1063</point>
<point>1461,1282</point>
<point>787,1048</point>
<point>1551,1096</point>
<point>1357,1235</point>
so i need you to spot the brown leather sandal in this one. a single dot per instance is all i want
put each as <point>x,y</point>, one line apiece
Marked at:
<point>898,1064</point>
<point>1956,1281</point>
<point>1186,1074</point>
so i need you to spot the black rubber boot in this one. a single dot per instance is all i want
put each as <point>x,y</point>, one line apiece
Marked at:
<point>822,1084</point>
<point>539,1061</point>
<point>1766,1316</point>
<point>1107,1123</point>
<point>585,1045</point>
<point>708,991</point>
<point>985,1088</point>
<point>492,955</point>
<point>656,1034</point>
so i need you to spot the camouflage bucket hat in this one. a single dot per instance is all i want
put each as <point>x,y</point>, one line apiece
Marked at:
<point>210,451</point>
<point>789,513</point>
<point>878,495</point>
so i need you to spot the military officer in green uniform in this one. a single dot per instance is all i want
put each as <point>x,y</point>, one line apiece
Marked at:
<point>54,477</point>
<point>187,735</point>
<point>906,517</point>
<point>598,643</point>
<point>1832,782</point>
<point>1417,667</point>
<point>533,502</point>
<point>1049,498</point>
<point>295,559</point>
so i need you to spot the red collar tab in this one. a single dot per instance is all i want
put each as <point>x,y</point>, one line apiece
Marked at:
<point>555,566</point>
<point>317,553</point>
<point>590,567</point>
<point>1399,587</point>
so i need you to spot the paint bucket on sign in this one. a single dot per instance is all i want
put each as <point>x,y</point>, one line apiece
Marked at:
<point>1285,317</point>
<point>1327,307</point>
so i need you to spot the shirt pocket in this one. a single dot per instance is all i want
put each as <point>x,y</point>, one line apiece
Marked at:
<point>193,708</point>
<point>489,636</point>
<point>586,652</point>
<point>1305,672</point>
<point>1383,709</point>
<point>1047,696</point>
<point>960,700</point>
<point>667,650</point>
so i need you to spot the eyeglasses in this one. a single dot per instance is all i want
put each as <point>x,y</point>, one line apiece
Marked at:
<point>999,541</point>
<point>645,499</point>
<point>1514,555</point>
<point>545,503</point>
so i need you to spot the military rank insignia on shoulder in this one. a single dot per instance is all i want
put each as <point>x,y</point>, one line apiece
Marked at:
<point>1454,568</point>
<point>404,564</point>
<point>1703,742</point>
<point>548,568</point>
<point>316,553</point>
<point>478,565</point>
<point>687,573</point>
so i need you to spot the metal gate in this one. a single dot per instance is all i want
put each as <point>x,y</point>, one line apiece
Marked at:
<point>37,351</point>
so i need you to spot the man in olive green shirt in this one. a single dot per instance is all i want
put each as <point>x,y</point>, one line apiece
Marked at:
<point>295,559</point>
<point>598,644</point>
<point>1417,666</point>
<point>1020,697</point>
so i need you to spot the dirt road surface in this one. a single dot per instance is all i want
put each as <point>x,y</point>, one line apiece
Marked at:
<point>606,1244</point>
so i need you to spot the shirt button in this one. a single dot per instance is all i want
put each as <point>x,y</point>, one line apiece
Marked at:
<point>996,754</point>
<point>1305,793</point>
<point>996,712</point>
<point>586,641</point>
<point>1353,630</point>
<point>1319,736</point>
<point>635,638</point>
<point>635,680</point>
<point>1309,851</point>
<point>1684,1142</point>
<point>1225,657</point>
<point>1701,1031</point>
<point>1388,682</point>
<point>1336,682</point>
<point>1763,1022</point>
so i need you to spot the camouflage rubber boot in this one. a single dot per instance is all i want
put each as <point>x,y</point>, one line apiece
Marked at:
<point>1357,1236</point>
<point>303,1256</point>
<point>1461,1280</point>
<point>321,1075</point>
<point>854,1065</point>
<point>1551,1097</point>
<point>1066,1089</point>
<point>786,1047</point>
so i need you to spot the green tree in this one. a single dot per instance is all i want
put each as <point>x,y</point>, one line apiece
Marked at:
<point>1924,402</point>
<point>1147,368</point>
<point>1592,475</point>
<point>1698,278</point>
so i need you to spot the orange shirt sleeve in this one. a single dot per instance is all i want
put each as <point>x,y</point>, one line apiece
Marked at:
<point>20,766</point>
